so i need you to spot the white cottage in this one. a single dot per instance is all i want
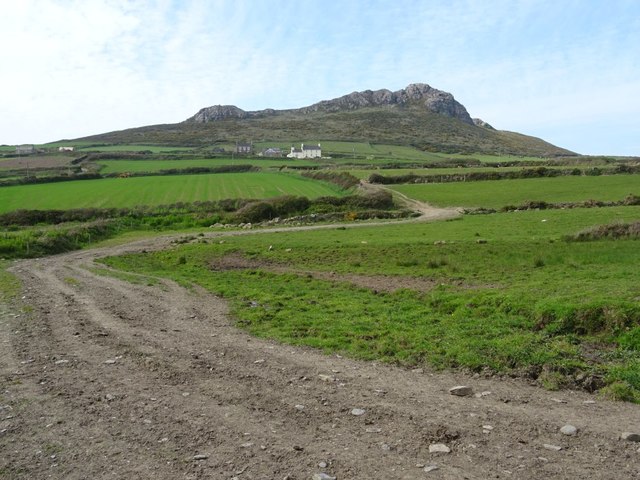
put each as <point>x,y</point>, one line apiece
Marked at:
<point>306,151</point>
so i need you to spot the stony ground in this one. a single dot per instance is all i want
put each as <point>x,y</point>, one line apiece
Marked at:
<point>101,378</point>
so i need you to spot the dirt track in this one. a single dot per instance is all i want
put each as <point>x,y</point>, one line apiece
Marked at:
<point>105,379</point>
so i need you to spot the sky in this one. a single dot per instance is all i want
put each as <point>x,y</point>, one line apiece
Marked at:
<point>567,71</point>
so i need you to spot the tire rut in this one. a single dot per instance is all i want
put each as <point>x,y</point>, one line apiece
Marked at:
<point>181,380</point>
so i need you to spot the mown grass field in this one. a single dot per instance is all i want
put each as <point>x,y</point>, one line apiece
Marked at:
<point>498,193</point>
<point>118,166</point>
<point>526,301</point>
<point>129,192</point>
<point>364,173</point>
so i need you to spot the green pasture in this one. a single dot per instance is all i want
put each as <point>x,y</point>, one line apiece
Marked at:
<point>134,148</point>
<point>499,193</point>
<point>134,166</point>
<point>522,300</point>
<point>364,173</point>
<point>496,158</point>
<point>159,190</point>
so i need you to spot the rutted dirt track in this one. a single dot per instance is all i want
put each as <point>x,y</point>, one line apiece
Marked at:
<point>105,379</point>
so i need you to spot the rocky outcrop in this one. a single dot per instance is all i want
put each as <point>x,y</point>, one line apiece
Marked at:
<point>417,94</point>
<point>478,122</point>
<point>218,112</point>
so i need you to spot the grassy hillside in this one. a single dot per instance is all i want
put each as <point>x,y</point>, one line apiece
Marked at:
<point>409,126</point>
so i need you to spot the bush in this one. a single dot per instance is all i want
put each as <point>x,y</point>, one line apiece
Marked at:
<point>343,180</point>
<point>255,212</point>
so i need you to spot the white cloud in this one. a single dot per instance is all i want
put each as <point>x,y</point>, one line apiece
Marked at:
<point>70,68</point>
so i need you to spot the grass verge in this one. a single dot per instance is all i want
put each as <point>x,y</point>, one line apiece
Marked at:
<point>521,302</point>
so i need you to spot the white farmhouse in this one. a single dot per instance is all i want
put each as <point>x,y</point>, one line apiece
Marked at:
<point>65,149</point>
<point>306,151</point>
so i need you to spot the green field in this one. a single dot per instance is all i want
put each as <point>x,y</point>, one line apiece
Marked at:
<point>128,192</point>
<point>134,148</point>
<point>117,166</point>
<point>496,158</point>
<point>499,193</point>
<point>524,301</point>
<point>364,173</point>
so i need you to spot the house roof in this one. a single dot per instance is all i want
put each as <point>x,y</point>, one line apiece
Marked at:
<point>311,147</point>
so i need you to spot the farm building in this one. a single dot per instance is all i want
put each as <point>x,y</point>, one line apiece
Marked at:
<point>306,151</point>
<point>244,148</point>
<point>25,149</point>
<point>65,149</point>
<point>271,152</point>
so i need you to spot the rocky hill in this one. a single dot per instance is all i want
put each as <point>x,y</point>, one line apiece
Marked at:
<point>416,94</point>
<point>418,115</point>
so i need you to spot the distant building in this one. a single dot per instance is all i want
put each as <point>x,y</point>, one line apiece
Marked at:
<point>271,152</point>
<point>244,148</point>
<point>65,149</point>
<point>25,149</point>
<point>306,151</point>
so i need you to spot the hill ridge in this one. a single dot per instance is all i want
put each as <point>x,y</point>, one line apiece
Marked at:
<point>418,116</point>
<point>420,94</point>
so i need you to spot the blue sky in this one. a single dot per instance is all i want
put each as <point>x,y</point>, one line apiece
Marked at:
<point>563,70</point>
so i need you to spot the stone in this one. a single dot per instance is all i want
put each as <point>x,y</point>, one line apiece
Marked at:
<point>569,430</point>
<point>200,457</point>
<point>357,412</point>
<point>461,391</point>
<point>299,407</point>
<point>326,378</point>
<point>439,448</point>
<point>431,468</point>
<point>553,448</point>
<point>322,464</point>
<point>111,361</point>
<point>322,476</point>
<point>630,436</point>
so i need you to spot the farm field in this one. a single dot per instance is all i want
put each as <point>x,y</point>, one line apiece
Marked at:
<point>364,173</point>
<point>117,166</point>
<point>499,193</point>
<point>523,300</point>
<point>169,314</point>
<point>35,162</point>
<point>134,148</point>
<point>129,192</point>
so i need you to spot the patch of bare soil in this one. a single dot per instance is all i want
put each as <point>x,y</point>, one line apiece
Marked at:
<point>105,379</point>
<point>35,162</point>
<point>377,283</point>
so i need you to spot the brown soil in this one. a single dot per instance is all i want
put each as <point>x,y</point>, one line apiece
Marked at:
<point>107,379</point>
<point>377,283</point>
<point>35,162</point>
